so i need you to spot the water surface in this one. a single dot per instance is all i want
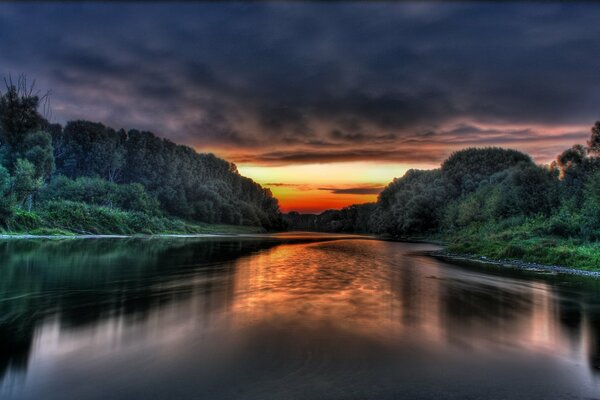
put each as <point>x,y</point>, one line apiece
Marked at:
<point>286,317</point>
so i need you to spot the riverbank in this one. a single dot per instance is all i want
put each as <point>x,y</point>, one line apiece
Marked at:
<point>87,220</point>
<point>199,231</point>
<point>15,236</point>
<point>521,246</point>
<point>525,244</point>
<point>483,261</point>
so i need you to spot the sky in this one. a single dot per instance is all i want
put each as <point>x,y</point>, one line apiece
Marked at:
<point>324,103</point>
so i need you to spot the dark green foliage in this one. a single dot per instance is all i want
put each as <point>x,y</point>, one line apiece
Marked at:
<point>466,170</point>
<point>24,221</point>
<point>90,149</point>
<point>92,164</point>
<point>198,187</point>
<point>80,218</point>
<point>302,222</point>
<point>6,196</point>
<point>37,149</point>
<point>20,134</point>
<point>474,187</point>
<point>26,180</point>
<point>590,213</point>
<point>128,197</point>
<point>528,240</point>
<point>573,157</point>
<point>412,204</point>
<point>18,114</point>
<point>521,191</point>
<point>594,142</point>
<point>355,218</point>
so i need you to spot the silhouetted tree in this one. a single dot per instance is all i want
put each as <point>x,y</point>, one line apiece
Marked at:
<point>594,142</point>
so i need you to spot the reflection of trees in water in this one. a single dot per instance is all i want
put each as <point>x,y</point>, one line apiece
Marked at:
<point>472,315</point>
<point>579,317</point>
<point>15,346</point>
<point>472,312</point>
<point>592,316</point>
<point>82,282</point>
<point>594,343</point>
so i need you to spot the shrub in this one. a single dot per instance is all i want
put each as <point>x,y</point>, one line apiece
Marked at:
<point>128,197</point>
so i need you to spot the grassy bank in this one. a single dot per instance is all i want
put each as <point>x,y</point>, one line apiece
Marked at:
<point>72,218</point>
<point>529,242</point>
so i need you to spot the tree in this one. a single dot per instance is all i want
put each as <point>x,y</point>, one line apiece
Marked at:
<point>20,129</point>
<point>37,149</point>
<point>594,142</point>
<point>6,196</point>
<point>26,182</point>
<point>92,149</point>
<point>467,169</point>
<point>18,112</point>
<point>185,183</point>
<point>129,197</point>
<point>572,157</point>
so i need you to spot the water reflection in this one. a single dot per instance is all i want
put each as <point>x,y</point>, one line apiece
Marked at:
<point>297,316</point>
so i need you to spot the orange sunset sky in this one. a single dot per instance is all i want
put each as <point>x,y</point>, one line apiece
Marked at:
<point>314,187</point>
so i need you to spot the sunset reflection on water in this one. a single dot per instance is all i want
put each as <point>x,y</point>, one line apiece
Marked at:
<point>294,316</point>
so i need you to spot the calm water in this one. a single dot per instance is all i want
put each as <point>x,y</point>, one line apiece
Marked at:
<point>288,317</point>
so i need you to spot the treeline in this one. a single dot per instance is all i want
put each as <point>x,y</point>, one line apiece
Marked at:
<point>355,218</point>
<point>479,188</point>
<point>91,168</point>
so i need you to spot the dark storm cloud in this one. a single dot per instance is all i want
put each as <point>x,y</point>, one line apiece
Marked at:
<point>359,137</point>
<point>318,156</point>
<point>318,82</point>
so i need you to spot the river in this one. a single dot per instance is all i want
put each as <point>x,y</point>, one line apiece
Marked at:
<point>290,316</point>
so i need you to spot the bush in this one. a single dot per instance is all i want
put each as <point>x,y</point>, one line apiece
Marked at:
<point>513,250</point>
<point>24,221</point>
<point>6,197</point>
<point>565,223</point>
<point>128,197</point>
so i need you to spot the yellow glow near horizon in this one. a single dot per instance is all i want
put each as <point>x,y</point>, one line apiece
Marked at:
<point>298,187</point>
<point>328,174</point>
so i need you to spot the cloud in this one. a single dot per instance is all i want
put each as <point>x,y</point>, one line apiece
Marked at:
<point>359,137</point>
<point>361,189</point>
<point>318,156</point>
<point>297,186</point>
<point>269,83</point>
<point>358,190</point>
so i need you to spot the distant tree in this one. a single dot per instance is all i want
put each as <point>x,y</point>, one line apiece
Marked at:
<point>594,142</point>
<point>572,157</point>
